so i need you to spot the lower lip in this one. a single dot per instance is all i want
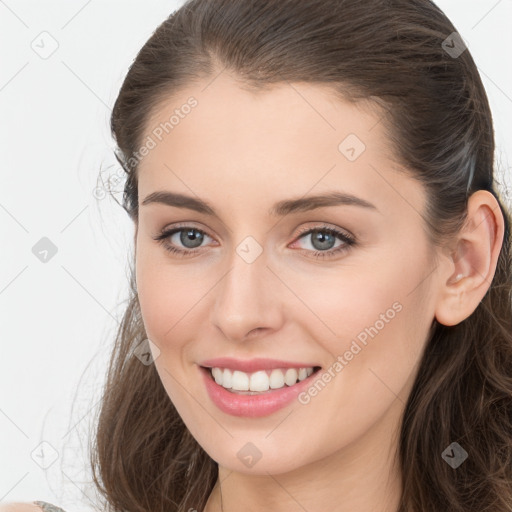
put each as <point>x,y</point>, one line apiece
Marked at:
<point>252,406</point>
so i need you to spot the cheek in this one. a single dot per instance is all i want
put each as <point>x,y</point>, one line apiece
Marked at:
<point>348,304</point>
<point>166,304</point>
<point>168,298</point>
<point>380,329</point>
<point>376,317</point>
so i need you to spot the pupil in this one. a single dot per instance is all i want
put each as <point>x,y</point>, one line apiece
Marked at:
<point>188,236</point>
<point>193,238</point>
<point>321,236</point>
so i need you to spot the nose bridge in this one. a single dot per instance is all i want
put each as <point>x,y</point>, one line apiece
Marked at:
<point>246,299</point>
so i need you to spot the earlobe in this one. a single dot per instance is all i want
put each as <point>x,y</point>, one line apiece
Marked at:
<point>471,266</point>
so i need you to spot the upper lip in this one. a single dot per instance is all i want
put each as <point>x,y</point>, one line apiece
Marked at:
<point>252,365</point>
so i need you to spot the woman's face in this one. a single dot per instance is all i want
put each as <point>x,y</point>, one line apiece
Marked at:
<point>249,285</point>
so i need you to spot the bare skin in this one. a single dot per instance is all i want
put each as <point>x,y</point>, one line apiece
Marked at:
<point>242,152</point>
<point>19,507</point>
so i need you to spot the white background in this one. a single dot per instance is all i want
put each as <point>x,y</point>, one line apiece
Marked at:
<point>58,318</point>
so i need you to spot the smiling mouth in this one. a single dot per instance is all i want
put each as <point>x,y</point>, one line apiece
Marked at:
<point>260,381</point>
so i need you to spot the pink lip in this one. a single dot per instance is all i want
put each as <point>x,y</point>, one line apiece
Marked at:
<point>252,406</point>
<point>252,365</point>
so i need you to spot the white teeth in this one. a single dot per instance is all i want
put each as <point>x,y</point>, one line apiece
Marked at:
<point>217,375</point>
<point>261,380</point>
<point>240,381</point>
<point>227,378</point>
<point>290,376</point>
<point>276,379</point>
<point>302,373</point>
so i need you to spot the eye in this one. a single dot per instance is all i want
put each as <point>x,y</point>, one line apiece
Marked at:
<point>191,238</point>
<point>323,238</point>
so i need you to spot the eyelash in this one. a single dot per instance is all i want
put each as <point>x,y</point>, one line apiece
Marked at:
<point>348,241</point>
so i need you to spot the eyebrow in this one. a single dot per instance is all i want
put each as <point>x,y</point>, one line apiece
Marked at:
<point>281,208</point>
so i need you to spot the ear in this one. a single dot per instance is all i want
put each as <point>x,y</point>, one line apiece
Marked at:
<point>468,271</point>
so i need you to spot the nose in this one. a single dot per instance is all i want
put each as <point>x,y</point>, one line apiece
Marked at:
<point>247,300</point>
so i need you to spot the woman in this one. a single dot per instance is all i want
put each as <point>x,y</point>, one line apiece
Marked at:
<point>321,315</point>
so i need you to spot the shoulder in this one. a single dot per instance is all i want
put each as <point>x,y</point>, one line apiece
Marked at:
<point>32,506</point>
<point>20,507</point>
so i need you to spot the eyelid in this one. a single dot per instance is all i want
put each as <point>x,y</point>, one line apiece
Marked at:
<point>324,226</point>
<point>316,226</point>
<point>348,240</point>
<point>181,226</point>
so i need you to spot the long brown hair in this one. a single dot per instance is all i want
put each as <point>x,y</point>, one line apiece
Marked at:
<point>393,52</point>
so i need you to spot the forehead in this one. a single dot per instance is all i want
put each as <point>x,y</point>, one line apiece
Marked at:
<point>287,140</point>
